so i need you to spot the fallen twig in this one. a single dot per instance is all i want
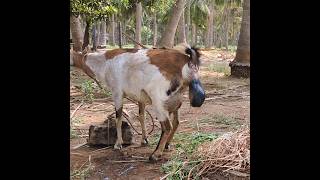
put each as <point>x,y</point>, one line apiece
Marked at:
<point>183,164</point>
<point>139,157</point>
<point>76,110</point>
<point>128,161</point>
<point>189,174</point>
<point>77,154</point>
<point>100,149</point>
<point>78,146</point>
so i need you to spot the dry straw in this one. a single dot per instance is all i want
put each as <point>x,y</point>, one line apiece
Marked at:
<point>228,153</point>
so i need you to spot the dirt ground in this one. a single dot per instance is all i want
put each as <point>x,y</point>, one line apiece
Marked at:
<point>226,97</point>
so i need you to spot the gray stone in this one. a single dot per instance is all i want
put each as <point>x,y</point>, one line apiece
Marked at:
<point>105,134</point>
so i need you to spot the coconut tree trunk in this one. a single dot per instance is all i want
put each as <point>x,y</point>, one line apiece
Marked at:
<point>227,31</point>
<point>209,31</point>
<point>193,34</point>
<point>182,29</point>
<point>167,39</point>
<point>138,24</point>
<point>83,25</point>
<point>98,34</point>
<point>94,37</point>
<point>240,66</point>
<point>203,37</point>
<point>86,36</point>
<point>188,21</point>
<point>116,31</point>
<point>76,33</point>
<point>154,30</point>
<point>103,34</point>
<point>119,34</point>
<point>112,33</point>
<point>213,29</point>
<point>124,29</point>
<point>226,24</point>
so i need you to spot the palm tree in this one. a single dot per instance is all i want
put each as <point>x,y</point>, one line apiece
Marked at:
<point>199,12</point>
<point>167,39</point>
<point>103,34</point>
<point>155,32</point>
<point>112,29</point>
<point>240,66</point>
<point>86,35</point>
<point>76,33</point>
<point>97,40</point>
<point>194,34</point>
<point>182,29</point>
<point>94,37</point>
<point>138,24</point>
<point>209,31</point>
<point>188,20</point>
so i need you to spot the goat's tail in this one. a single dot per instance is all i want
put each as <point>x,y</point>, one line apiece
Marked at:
<point>194,54</point>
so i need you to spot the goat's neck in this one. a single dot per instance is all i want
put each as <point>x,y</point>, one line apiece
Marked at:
<point>80,61</point>
<point>96,66</point>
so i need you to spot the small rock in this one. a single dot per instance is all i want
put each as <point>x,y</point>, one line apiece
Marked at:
<point>105,134</point>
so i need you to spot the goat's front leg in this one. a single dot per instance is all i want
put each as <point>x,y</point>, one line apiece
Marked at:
<point>144,140</point>
<point>118,108</point>
<point>175,124</point>
<point>166,128</point>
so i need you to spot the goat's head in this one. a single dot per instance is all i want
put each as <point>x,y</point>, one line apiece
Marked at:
<point>196,91</point>
<point>78,59</point>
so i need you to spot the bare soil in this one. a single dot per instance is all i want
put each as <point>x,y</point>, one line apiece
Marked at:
<point>226,96</point>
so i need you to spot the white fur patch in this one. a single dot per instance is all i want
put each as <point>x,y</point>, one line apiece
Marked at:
<point>186,72</point>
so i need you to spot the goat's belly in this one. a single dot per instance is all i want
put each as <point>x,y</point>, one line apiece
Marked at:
<point>141,96</point>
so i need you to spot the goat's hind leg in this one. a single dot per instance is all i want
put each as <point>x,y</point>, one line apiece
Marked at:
<point>175,124</point>
<point>144,140</point>
<point>118,107</point>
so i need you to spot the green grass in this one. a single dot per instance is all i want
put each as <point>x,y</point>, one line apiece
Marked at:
<point>220,68</point>
<point>73,123</point>
<point>107,93</point>
<point>223,119</point>
<point>217,121</point>
<point>188,143</point>
<point>89,88</point>
<point>185,146</point>
<point>232,48</point>
<point>82,173</point>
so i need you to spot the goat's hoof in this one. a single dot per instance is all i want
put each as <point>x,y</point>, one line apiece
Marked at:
<point>144,142</point>
<point>117,146</point>
<point>153,158</point>
<point>167,148</point>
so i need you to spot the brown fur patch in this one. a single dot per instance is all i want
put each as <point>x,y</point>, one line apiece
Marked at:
<point>79,61</point>
<point>115,52</point>
<point>170,62</point>
<point>86,68</point>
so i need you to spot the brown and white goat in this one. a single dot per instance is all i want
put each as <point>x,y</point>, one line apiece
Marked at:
<point>149,76</point>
